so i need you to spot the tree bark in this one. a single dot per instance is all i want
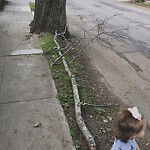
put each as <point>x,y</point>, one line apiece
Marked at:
<point>50,15</point>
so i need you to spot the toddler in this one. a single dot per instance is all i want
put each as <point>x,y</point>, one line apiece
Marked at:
<point>131,124</point>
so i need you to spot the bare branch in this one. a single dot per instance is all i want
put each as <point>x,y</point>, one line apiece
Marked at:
<point>101,29</point>
<point>99,25</point>
<point>61,55</point>
<point>86,46</point>
<point>94,105</point>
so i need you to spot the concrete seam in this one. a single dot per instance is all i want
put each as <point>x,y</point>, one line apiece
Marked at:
<point>21,55</point>
<point>29,100</point>
<point>2,75</point>
<point>131,52</point>
<point>144,78</point>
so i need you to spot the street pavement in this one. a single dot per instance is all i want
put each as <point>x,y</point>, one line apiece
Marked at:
<point>123,58</point>
<point>27,91</point>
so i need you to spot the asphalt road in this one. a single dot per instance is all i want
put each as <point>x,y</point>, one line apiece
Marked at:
<point>123,59</point>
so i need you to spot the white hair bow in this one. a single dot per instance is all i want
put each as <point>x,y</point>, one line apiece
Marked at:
<point>135,113</point>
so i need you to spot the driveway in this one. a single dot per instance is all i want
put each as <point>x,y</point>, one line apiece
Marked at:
<point>123,59</point>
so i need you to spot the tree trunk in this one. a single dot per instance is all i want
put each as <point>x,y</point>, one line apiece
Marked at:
<point>50,15</point>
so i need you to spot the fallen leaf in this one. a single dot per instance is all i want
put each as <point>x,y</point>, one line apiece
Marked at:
<point>105,121</point>
<point>37,125</point>
<point>147,144</point>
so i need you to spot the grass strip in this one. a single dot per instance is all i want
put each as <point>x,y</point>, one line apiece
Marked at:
<point>32,6</point>
<point>64,89</point>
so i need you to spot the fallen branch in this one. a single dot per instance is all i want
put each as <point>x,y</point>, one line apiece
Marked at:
<point>61,55</point>
<point>107,18</point>
<point>100,28</point>
<point>113,33</point>
<point>89,138</point>
<point>94,105</point>
<point>86,46</point>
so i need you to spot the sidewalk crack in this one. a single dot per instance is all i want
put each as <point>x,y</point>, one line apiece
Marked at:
<point>29,100</point>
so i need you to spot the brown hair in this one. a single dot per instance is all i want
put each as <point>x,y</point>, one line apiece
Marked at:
<point>127,125</point>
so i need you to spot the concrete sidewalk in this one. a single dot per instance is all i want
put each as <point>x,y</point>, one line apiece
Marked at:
<point>27,90</point>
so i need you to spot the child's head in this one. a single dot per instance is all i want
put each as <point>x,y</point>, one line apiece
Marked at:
<point>130,124</point>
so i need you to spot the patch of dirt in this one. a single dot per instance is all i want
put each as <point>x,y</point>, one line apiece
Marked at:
<point>99,120</point>
<point>93,90</point>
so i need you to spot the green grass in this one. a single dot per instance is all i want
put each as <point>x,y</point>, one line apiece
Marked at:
<point>65,95</point>
<point>101,111</point>
<point>143,4</point>
<point>146,4</point>
<point>84,94</point>
<point>64,87</point>
<point>1,1</point>
<point>47,43</point>
<point>32,6</point>
<point>74,135</point>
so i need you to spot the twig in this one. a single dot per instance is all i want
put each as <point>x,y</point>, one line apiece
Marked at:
<point>94,105</point>
<point>87,34</point>
<point>47,51</point>
<point>85,46</point>
<point>104,21</point>
<point>49,59</point>
<point>98,27</point>
<point>61,55</point>
<point>112,33</point>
